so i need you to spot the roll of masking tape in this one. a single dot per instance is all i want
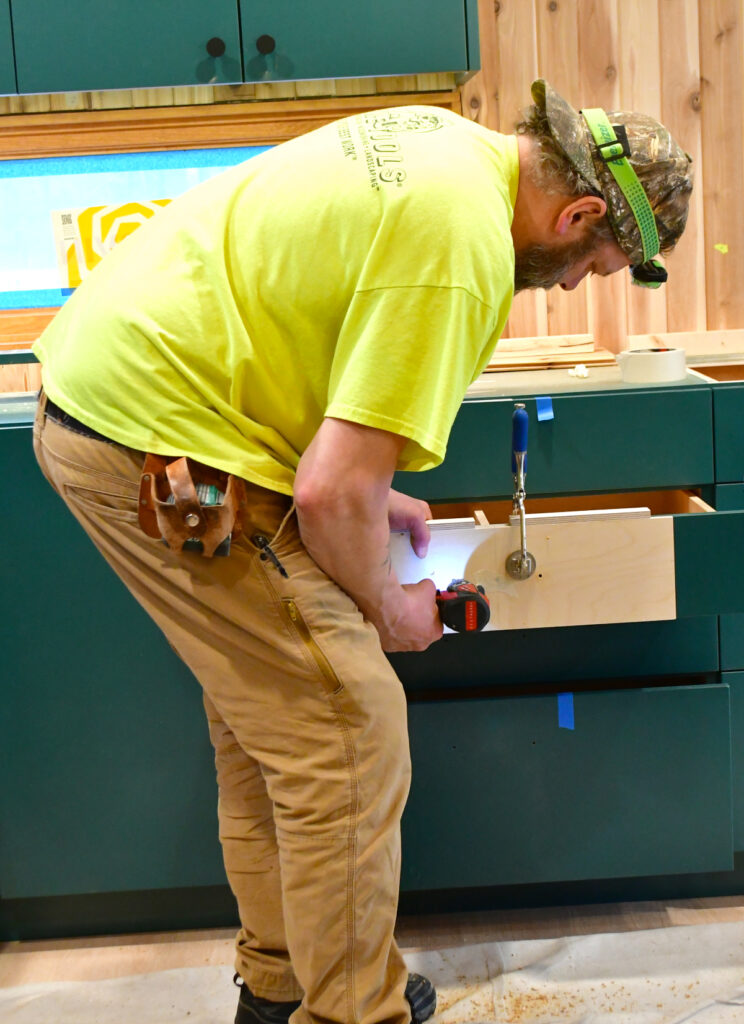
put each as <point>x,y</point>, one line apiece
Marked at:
<point>652,365</point>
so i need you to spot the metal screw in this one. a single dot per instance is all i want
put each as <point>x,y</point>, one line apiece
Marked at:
<point>191,519</point>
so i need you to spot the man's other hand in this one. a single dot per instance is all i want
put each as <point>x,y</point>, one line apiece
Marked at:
<point>406,513</point>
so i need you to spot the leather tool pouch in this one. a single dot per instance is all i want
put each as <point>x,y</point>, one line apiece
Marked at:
<point>190,506</point>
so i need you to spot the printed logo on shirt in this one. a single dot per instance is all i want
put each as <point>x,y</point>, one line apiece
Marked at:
<point>382,134</point>
<point>404,121</point>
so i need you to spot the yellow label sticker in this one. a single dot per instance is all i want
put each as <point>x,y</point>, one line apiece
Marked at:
<point>83,237</point>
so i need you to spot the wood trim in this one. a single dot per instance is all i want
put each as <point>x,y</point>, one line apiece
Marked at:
<point>195,127</point>
<point>19,328</point>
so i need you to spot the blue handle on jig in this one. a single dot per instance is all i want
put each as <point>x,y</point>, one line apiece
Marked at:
<point>520,424</point>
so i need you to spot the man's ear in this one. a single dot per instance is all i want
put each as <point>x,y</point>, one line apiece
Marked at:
<point>575,216</point>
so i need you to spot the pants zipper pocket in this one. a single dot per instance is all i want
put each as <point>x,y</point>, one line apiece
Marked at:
<point>324,665</point>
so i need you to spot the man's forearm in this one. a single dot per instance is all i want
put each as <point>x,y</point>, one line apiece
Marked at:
<point>342,495</point>
<point>349,538</point>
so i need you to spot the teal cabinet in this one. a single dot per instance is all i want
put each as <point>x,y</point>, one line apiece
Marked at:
<point>329,39</point>
<point>728,409</point>
<point>612,441</point>
<point>7,63</point>
<point>86,45</point>
<point>502,795</point>
<point>109,783</point>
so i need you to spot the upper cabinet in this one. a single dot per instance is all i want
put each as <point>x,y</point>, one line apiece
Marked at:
<point>85,45</point>
<point>330,39</point>
<point>7,67</point>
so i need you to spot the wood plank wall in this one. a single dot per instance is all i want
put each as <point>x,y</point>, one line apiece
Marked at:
<point>678,60</point>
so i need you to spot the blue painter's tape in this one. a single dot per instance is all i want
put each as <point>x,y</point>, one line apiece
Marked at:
<point>127,162</point>
<point>544,408</point>
<point>38,298</point>
<point>565,711</point>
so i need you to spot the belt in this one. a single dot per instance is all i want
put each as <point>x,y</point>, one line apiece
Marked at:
<point>64,419</point>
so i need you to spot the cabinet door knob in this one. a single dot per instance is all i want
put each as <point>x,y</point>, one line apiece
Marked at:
<point>216,46</point>
<point>266,44</point>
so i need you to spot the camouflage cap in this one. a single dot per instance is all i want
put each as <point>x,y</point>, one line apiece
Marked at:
<point>662,166</point>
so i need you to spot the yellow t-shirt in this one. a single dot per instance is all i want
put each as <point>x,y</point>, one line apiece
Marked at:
<point>363,271</point>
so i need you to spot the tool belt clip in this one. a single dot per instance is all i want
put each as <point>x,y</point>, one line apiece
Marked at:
<point>190,506</point>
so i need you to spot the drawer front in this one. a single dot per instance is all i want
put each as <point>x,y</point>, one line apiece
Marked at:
<point>501,795</point>
<point>728,497</point>
<point>612,441</point>
<point>520,657</point>
<point>137,44</point>
<point>709,558</point>
<point>735,681</point>
<point>111,784</point>
<point>732,643</point>
<point>7,63</point>
<point>728,409</point>
<point>330,39</point>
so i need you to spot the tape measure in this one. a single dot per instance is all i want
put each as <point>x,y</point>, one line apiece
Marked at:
<point>464,607</point>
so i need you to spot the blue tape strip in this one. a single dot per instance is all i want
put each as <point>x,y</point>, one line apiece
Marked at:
<point>565,711</point>
<point>37,299</point>
<point>544,408</point>
<point>107,162</point>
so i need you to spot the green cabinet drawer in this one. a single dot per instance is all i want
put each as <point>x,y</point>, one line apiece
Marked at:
<point>728,497</point>
<point>501,795</point>
<point>110,781</point>
<point>611,441</point>
<point>709,563</point>
<point>7,63</point>
<point>509,658</point>
<point>732,641</point>
<point>86,44</point>
<point>728,411</point>
<point>329,39</point>
<point>735,681</point>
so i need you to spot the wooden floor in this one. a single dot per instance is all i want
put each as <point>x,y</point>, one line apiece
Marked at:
<point>116,956</point>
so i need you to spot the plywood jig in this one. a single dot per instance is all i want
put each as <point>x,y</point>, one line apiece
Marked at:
<point>594,565</point>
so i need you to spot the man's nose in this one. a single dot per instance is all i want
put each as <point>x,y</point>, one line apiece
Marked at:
<point>573,282</point>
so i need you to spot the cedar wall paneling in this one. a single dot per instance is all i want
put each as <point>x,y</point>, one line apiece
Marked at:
<point>679,60</point>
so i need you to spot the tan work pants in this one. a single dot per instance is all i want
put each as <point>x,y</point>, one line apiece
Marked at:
<point>308,722</point>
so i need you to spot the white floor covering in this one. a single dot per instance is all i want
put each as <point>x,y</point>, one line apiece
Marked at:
<point>679,975</point>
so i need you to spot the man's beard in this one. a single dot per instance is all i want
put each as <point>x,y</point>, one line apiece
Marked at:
<point>543,266</point>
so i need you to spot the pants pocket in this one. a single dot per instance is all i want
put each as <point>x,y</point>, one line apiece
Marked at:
<point>297,625</point>
<point>109,504</point>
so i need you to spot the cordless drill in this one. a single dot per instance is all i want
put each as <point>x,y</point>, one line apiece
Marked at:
<point>463,607</point>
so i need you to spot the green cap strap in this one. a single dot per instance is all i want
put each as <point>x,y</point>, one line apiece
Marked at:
<point>615,152</point>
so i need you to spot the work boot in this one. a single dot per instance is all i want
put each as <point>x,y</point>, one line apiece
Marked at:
<point>254,1010</point>
<point>420,993</point>
<point>422,998</point>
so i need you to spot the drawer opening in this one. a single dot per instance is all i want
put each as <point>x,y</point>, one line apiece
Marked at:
<point>572,508</point>
<point>720,371</point>
<point>599,558</point>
